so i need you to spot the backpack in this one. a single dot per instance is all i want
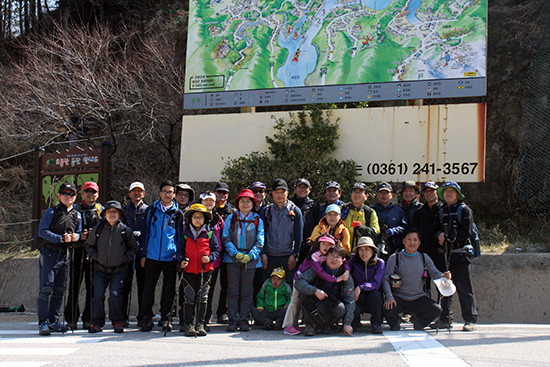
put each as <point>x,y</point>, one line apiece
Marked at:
<point>235,219</point>
<point>268,214</point>
<point>474,248</point>
<point>100,228</point>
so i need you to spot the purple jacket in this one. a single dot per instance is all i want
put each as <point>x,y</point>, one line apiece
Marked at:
<point>375,274</point>
<point>317,266</point>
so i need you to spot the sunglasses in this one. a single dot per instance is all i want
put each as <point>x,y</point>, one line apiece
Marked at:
<point>68,193</point>
<point>90,191</point>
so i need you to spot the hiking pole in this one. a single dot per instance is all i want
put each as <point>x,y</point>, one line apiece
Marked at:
<point>175,302</point>
<point>68,273</point>
<point>198,295</point>
<point>129,306</point>
<point>71,278</point>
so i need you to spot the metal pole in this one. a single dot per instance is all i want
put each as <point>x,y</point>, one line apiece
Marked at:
<point>37,193</point>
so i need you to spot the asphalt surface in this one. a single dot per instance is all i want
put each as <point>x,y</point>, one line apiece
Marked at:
<point>491,345</point>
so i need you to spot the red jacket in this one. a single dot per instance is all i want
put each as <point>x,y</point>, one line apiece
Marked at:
<point>194,249</point>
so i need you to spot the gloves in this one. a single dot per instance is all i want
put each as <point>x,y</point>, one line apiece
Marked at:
<point>356,224</point>
<point>246,259</point>
<point>239,256</point>
<point>390,232</point>
<point>137,234</point>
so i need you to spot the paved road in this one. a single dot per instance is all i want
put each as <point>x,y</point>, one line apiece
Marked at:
<point>491,345</point>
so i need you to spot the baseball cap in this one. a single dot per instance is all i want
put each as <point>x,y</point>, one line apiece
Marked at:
<point>257,185</point>
<point>67,186</point>
<point>359,185</point>
<point>280,184</point>
<point>384,186</point>
<point>410,183</point>
<point>430,185</point>
<point>133,185</point>
<point>304,181</point>
<point>332,184</point>
<point>221,186</point>
<point>333,208</point>
<point>280,272</point>
<point>90,185</point>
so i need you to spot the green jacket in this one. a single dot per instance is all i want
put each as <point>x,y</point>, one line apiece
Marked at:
<point>272,299</point>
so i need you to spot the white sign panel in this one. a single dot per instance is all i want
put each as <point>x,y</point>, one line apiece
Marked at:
<point>420,143</point>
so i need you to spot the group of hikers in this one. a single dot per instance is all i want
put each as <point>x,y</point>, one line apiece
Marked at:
<point>328,263</point>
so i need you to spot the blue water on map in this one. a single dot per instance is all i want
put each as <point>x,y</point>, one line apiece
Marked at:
<point>294,73</point>
<point>414,5</point>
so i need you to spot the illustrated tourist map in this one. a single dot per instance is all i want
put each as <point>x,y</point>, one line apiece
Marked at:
<point>247,45</point>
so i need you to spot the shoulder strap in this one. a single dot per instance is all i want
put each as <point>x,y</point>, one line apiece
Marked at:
<point>396,262</point>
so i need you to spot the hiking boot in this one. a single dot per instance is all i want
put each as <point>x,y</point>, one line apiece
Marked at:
<point>139,323</point>
<point>182,328</point>
<point>309,330</point>
<point>245,326</point>
<point>440,325</point>
<point>147,325</point>
<point>118,327</point>
<point>279,324</point>
<point>469,326</point>
<point>377,329</point>
<point>267,324</point>
<point>190,330</point>
<point>44,328</point>
<point>95,329</point>
<point>223,319</point>
<point>291,330</point>
<point>232,326</point>
<point>86,325</point>
<point>395,327</point>
<point>57,327</point>
<point>166,326</point>
<point>200,330</point>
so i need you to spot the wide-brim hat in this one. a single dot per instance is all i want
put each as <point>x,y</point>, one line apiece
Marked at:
<point>452,185</point>
<point>245,193</point>
<point>365,242</point>
<point>113,204</point>
<point>445,286</point>
<point>197,208</point>
<point>410,183</point>
<point>183,186</point>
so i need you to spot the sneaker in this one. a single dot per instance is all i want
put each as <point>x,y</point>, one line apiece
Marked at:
<point>86,325</point>
<point>267,324</point>
<point>190,330</point>
<point>139,323</point>
<point>223,319</point>
<point>309,330</point>
<point>95,329</point>
<point>469,326</point>
<point>57,327</point>
<point>291,330</point>
<point>245,326</point>
<point>232,326</point>
<point>377,329</point>
<point>118,327</point>
<point>441,325</point>
<point>200,330</point>
<point>279,324</point>
<point>126,324</point>
<point>72,325</point>
<point>147,325</point>
<point>44,328</point>
<point>418,326</point>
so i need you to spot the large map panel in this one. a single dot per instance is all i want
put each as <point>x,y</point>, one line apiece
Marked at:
<point>243,45</point>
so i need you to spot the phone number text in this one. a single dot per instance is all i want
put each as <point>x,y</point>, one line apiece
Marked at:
<point>464,168</point>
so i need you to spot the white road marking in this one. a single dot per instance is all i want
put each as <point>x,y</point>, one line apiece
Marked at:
<point>419,349</point>
<point>37,351</point>
<point>53,339</point>
<point>23,364</point>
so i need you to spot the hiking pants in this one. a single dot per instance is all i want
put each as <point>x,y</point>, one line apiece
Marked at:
<point>260,317</point>
<point>423,309</point>
<point>318,312</point>
<point>239,293</point>
<point>53,279</point>
<point>127,289</point>
<point>80,269</point>
<point>115,281</point>
<point>153,268</point>
<point>369,302</point>
<point>194,292</point>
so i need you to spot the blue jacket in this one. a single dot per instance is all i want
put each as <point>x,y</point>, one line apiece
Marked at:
<point>391,217</point>
<point>160,235</point>
<point>244,237</point>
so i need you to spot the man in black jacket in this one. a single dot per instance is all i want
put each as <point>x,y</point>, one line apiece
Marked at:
<point>111,246</point>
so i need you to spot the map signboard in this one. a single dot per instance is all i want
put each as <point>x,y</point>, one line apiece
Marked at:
<point>257,52</point>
